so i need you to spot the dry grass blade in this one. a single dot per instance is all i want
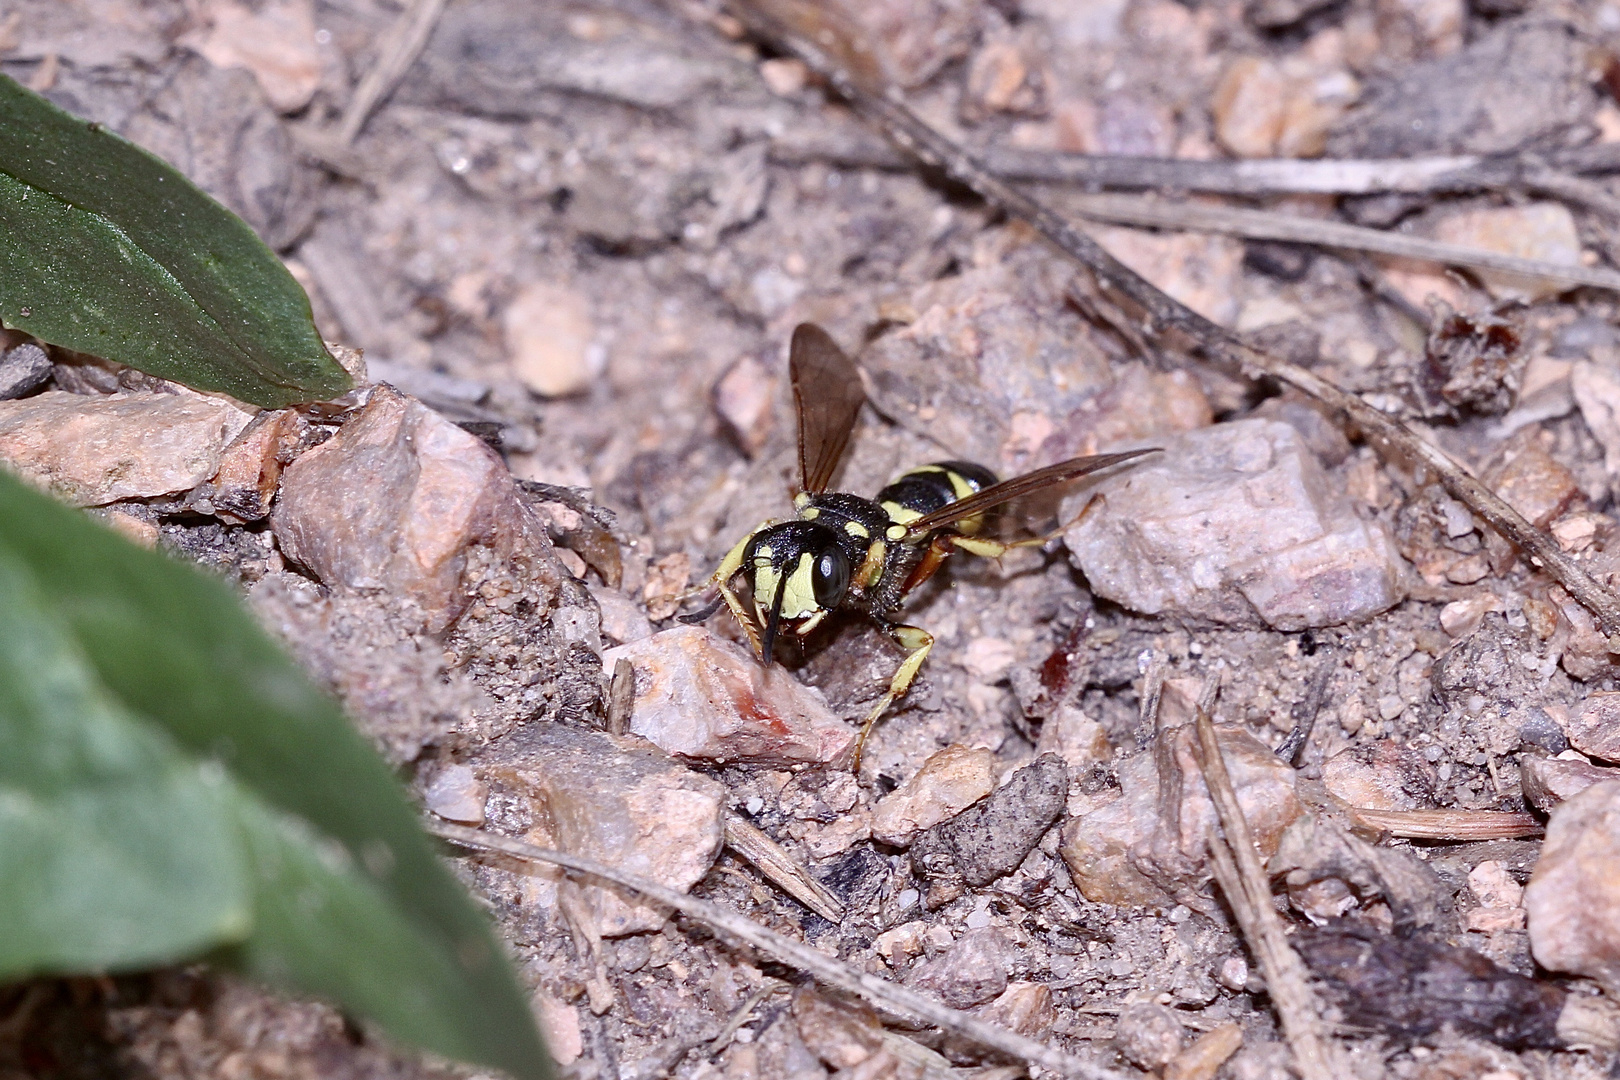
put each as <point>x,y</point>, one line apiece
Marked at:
<point>826,969</point>
<point>1458,825</point>
<point>1243,880</point>
<point>1164,313</point>
<point>1271,225</point>
<point>768,857</point>
<point>399,48</point>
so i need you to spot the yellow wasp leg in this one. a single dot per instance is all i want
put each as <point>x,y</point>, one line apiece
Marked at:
<point>916,641</point>
<point>728,568</point>
<point>995,549</point>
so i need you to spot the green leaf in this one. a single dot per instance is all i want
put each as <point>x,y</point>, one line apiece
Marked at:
<point>106,249</point>
<point>348,896</point>
<point>116,850</point>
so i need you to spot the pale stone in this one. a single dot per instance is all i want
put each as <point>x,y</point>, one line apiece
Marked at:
<point>615,799</point>
<point>949,782</point>
<point>1234,524</point>
<point>250,468</point>
<point>1573,898</point>
<point>1024,1007</point>
<point>1550,781</point>
<point>275,41</point>
<point>1535,484</point>
<point>743,397</point>
<point>1202,270</point>
<point>549,328</point>
<point>93,450</point>
<point>700,696</point>
<point>971,971</point>
<point>1124,853</point>
<point>1593,727</point>
<point>1265,109</point>
<point>456,794</point>
<point>560,1024</point>
<point>395,501</point>
<point>1544,231</point>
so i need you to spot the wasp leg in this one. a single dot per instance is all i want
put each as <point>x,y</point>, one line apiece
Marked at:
<point>916,641</point>
<point>721,580</point>
<point>995,549</point>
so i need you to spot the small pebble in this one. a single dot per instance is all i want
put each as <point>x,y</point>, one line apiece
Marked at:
<point>949,782</point>
<point>23,370</point>
<point>1573,898</point>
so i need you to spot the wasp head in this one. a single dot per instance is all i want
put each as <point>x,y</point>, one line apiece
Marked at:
<point>798,573</point>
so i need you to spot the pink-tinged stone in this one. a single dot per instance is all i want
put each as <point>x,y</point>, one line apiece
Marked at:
<point>1235,524</point>
<point>1550,781</point>
<point>394,501</point>
<point>614,799</point>
<point>1125,853</point>
<point>1593,727</point>
<point>700,696</point>
<point>92,451</point>
<point>250,468</point>
<point>1544,231</point>
<point>1573,898</point>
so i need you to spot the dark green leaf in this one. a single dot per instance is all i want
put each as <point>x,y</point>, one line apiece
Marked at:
<point>106,249</point>
<point>173,647</point>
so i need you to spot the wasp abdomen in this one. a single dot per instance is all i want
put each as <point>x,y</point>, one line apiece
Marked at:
<point>933,487</point>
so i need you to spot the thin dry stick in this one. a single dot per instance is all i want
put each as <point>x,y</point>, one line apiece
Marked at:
<point>1165,313</point>
<point>1243,880</point>
<point>779,868</point>
<point>398,50</point>
<point>1263,176</point>
<point>1272,225</point>
<point>1458,825</point>
<point>827,969</point>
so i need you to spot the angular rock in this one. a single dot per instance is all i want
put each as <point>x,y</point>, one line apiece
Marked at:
<point>1329,870</point>
<point>250,468</point>
<point>1234,524</point>
<point>1573,898</point>
<point>989,840</point>
<point>1544,231</point>
<point>996,364</point>
<point>1024,1007</point>
<point>1550,781</point>
<point>616,799</point>
<point>1521,84</point>
<point>456,794</point>
<point>970,972</point>
<point>276,43</point>
<point>1203,271</point>
<point>95,450</point>
<point>1124,853</point>
<point>23,370</point>
<point>398,501</point>
<point>1593,727</point>
<point>841,1033</point>
<point>1380,775</point>
<point>949,782</point>
<point>744,397</point>
<point>700,696</point>
<point>1078,739</point>
<point>1266,109</point>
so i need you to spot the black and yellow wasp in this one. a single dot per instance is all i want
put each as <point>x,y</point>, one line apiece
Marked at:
<point>846,553</point>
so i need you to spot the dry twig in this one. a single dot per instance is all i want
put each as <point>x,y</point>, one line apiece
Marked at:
<point>1272,225</point>
<point>1458,825</point>
<point>1163,313</point>
<point>1237,868</point>
<point>779,868</point>
<point>1254,177</point>
<point>829,970</point>
<point>397,51</point>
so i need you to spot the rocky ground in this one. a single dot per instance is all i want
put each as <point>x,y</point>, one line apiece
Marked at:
<point>572,245</point>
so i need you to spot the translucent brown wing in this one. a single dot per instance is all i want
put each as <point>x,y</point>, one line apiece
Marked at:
<point>827,392</point>
<point>1007,490</point>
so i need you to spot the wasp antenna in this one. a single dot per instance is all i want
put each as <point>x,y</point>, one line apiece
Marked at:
<point>774,618</point>
<point>692,618</point>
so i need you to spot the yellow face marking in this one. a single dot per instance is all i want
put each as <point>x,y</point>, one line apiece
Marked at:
<point>871,566</point>
<point>896,532</point>
<point>855,528</point>
<point>798,598</point>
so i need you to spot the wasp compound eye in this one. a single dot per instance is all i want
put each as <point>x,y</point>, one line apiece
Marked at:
<point>829,577</point>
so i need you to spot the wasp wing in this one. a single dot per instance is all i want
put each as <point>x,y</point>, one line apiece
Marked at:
<point>827,393</point>
<point>1007,490</point>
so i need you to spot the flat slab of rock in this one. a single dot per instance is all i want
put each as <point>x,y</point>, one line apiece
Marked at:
<point>94,450</point>
<point>1573,899</point>
<point>702,697</point>
<point>1234,524</point>
<point>1593,727</point>
<point>615,799</point>
<point>395,500</point>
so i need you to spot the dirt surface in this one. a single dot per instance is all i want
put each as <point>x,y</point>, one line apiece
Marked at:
<point>585,231</point>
